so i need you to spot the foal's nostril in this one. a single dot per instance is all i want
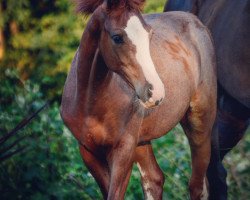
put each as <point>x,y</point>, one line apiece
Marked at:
<point>158,102</point>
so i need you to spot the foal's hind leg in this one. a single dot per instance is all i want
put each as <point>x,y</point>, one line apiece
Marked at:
<point>197,125</point>
<point>152,177</point>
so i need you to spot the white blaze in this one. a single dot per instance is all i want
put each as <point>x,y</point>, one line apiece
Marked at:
<point>140,38</point>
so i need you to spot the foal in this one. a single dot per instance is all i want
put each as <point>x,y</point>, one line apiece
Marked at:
<point>113,100</point>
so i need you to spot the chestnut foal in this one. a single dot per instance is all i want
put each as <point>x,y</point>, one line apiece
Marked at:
<point>113,100</point>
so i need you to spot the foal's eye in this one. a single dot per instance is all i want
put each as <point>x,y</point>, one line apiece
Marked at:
<point>118,39</point>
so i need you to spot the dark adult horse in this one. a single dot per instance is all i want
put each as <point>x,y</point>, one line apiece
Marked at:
<point>229,22</point>
<point>113,100</point>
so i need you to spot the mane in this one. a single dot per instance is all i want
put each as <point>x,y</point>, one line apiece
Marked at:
<point>88,6</point>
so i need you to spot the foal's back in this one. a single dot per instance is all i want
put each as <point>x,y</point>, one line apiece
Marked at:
<point>191,38</point>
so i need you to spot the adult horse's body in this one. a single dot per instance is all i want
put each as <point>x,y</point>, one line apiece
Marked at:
<point>113,99</point>
<point>229,22</point>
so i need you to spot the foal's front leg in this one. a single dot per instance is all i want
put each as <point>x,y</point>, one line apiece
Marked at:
<point>120,161</point>
<point>99,168</point>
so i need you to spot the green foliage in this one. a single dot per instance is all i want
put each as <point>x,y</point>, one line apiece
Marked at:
<point>238,166</point>
<point>153,6</point>
<point>50,166</point>
<point>40,40</point>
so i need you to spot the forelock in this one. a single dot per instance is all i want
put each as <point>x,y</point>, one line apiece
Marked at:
<point>88,6</point>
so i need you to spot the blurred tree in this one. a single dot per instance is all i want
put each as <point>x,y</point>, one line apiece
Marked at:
<point>40,37</point>
<point>1,32</point>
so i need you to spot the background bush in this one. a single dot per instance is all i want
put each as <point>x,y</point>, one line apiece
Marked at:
<point>40,39</point>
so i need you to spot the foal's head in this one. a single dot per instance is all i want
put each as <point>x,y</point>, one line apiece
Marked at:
<point>125,47</point>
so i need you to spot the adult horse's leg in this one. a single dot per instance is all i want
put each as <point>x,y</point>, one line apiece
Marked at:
<point>233,120</point>
<point>216,173</point>
<point>98,168</point>
<point>197,124</point>
<point>152,177</point>
<point>231,124</point>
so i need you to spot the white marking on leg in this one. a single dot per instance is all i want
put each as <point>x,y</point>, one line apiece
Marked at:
<point>148,195</point>
<point>140,38</point>
<point>204,194</point>
<point>146,184</point>
<point>140,169</point>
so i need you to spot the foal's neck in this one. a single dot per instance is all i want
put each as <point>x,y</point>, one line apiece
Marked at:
<point>92,72</point>
<point>86,60</point>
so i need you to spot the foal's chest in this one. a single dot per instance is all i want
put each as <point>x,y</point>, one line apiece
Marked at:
<point>101,131</point>
<point>95,133</point>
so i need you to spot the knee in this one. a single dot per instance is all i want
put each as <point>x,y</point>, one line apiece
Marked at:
<point>222,172</point>
<point>155,180</point>
<point>153,185</point>
<point>216,173</point>
<point>158,179</point>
